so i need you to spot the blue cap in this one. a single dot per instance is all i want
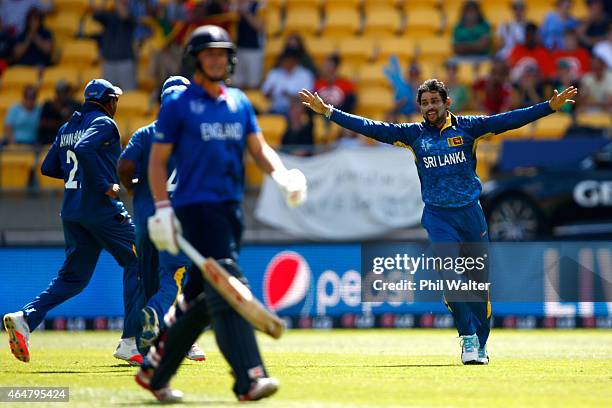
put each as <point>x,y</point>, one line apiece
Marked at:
<point>172,90</point>
<point>97,88</point>
<point>174,80</point>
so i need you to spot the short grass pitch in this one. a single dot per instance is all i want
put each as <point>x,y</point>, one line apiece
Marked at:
<point>356,368</point>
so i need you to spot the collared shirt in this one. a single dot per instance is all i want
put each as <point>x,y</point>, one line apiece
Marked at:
<point>209,137</point>
<point>445,158</point>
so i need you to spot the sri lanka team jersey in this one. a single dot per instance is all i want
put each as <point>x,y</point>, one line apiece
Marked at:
<point>446,157</point>
<point>84,154</point>
<point>209,137</point>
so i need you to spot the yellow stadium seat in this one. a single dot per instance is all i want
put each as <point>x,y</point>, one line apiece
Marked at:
<point>538,11</point>
<point>64,25</point>
<point>89,73</point>
<point>320,48</point>
<point>356,50</point>
<point>91,27</point>
<point>302,4</point>
<point>259,101</point>
<point>348,70</point>
<point>79,53</point>
<point>383,3</point>
<point>330,4</point>
<point>44,182</point>
<point>402,47</point>
<point>601,120</point>
<point>341,21</point>
<point>273,21</point>
<point>17,77</point>
<point>272,50</point>
<point>134,103</point>
<point>382,21</point>
<point>59,73</point>
<point>273,127</point>
<point>552,126</point>
<point>435,49</point>
<point>146,82</point>
<point>375,101</point>
<point>305,21</point>
<point>372,75</point>
<point>423,21</point>
<point>253,175</point>
<point>74,6</point>
<point>15,167</point>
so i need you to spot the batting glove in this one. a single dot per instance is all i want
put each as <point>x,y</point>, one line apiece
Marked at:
<point>293,185</point>
<point>163,227</point>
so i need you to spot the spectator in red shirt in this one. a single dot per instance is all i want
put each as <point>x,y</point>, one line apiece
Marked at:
<point>335,90</point>
<point>577,57</point>
<point>530,53</point>
<point>493,93</point>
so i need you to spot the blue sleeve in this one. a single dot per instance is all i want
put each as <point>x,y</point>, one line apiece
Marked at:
<point>167,127</point>
<point>10,115</point>
<point>133,151</point>
<point>52,164</point>
<point>480,125</point>
<point>102,131</point>
<point>390,133</point>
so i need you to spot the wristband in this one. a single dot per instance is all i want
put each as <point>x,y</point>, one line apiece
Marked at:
<point>163,204</point>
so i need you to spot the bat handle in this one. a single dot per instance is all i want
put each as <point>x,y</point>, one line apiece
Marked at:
<point>189,250</point>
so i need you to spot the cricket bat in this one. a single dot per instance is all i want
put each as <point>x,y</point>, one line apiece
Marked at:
<point>236,293</point>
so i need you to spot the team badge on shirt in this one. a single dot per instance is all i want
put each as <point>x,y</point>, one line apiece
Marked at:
<point>455,141</point>
<point>197,107</point>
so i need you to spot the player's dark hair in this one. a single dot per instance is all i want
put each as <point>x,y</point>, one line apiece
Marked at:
<point>432,85</point>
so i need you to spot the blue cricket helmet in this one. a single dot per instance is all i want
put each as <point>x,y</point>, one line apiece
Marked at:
<point>100,89</point>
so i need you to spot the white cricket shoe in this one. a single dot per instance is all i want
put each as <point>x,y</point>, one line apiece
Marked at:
<point>260,388</point>
<point>127,351</point>
<point>19,335</point>
<point>469,349</point>
<point>195,353</point>
<point>483,356</point>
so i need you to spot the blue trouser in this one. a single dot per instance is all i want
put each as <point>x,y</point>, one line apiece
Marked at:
<point>215,230</point>
<point>172,275</point>
<point>163,275</point>
<point>84,242</point>
<point>148,261</point>
<point>458,232</point>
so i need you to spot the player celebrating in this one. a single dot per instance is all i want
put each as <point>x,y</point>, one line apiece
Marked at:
<point>206,130</point>
<point>162,274</point>
<point>450,188</point>
<point>84,155</point>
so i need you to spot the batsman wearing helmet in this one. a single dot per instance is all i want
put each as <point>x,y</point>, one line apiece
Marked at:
<point>206,129</point>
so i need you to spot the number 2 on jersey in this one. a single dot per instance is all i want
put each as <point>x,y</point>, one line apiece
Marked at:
<point>71,183</point>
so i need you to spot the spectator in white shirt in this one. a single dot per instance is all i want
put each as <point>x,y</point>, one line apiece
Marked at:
<point>512,33</point>
<point>284,82</point>
<point>596,87</point>
<point>603,49</point>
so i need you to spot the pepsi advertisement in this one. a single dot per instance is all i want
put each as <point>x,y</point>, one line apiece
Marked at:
<point>310,286</point>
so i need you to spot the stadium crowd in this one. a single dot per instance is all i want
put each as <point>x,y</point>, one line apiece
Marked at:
<point>492,58</point>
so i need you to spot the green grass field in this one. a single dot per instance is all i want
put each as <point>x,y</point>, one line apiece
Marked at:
<point>356,368</point>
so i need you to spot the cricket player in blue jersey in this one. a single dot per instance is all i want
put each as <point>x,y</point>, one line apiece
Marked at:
<point>444,147</point>
<point>206,129</point>
<point>84,154</point>
<point>162,273</point>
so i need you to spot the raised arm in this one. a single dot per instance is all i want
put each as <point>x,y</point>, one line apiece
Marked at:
<point>520,117</point>
<point>384,132</point>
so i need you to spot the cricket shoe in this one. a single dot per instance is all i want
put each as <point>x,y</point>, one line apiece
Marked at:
<point>260,388</point>
<point>127,351</point>
<point>195,353</point>
<point>19,335</point>
<point>150,327</point>
<point>483,356</point>
<point>164,395</point>
<point>469,349</point>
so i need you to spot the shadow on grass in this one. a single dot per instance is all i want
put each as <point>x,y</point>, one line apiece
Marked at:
<point>184,402</point>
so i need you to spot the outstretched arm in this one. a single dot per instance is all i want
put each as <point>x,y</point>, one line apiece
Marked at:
<point>520,117</point>
<point>382,131</point>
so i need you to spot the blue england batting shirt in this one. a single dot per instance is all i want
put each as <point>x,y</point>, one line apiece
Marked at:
<point>209,137</point>
<point>84,154</point>
<point>446,157</point>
